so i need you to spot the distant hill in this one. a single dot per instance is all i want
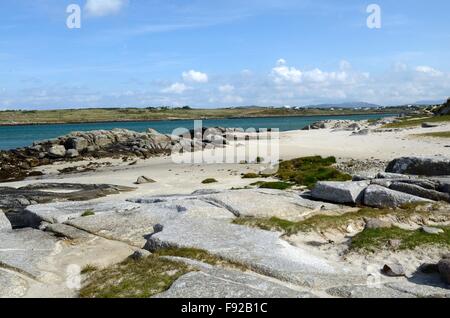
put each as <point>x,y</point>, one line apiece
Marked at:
<point>346,105</point>
<point>430,102</point>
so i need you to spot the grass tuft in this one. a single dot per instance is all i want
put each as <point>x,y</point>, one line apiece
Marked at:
<point>371,240</point>
<point>89,212</point>
<point>308,171</point>
<point>442,134</point>
<point>209,181</point>
<point>134,279</point>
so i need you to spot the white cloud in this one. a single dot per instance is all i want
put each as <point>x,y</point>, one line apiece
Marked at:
<point>176,88</point>
<point>428,70</point>
<point>195,76</point>
<point>101,8</point>
<point>283,73</point>
<point>226,89</point>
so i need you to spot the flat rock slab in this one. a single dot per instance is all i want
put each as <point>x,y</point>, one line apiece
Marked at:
<point>340,192</point>
<point>11,285</point>
<point>421,290</point>
<point>63,211</point>
<point>262,251</point>
<point>222,283</point>
<point>249,203</point>
<point>381,197</point>
<point>23,250</point>
<point>67,231</point>
<point>354,291</point>
<point>268,203</point>
<point>129,227</point>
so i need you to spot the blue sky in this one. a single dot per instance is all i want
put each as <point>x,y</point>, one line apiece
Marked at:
<point>215,53</point>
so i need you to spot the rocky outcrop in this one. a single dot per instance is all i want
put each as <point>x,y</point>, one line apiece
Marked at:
<point>381,197</point>
<point>340,192</point>
<point>420,191</point>
<point>444,109</point>
<point>17,164</point>
<point>433,166</point>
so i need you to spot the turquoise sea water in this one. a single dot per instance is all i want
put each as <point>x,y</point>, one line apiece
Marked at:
<point>12,137</point>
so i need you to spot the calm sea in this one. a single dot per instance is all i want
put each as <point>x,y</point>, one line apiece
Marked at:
<point>12,137</point>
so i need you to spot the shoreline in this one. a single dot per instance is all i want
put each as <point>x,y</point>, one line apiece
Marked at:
<point>22,124</point>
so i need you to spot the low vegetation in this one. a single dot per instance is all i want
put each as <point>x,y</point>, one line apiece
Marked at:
<point>371,240</point>
<point>199,255</point>
<point>88,213</point>
<point>442,134</point>
<point>308,171</point>
<point>276,185</point>
<point>89,269</point>
<point>324,222</point>
<point>134,278</point>
<point>250,175</point>
<point>413,121</point>
<point>161,113</point>
<point>209,181</point>
<point>146,277</point>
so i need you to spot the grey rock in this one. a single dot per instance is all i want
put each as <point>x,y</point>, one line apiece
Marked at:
<point>444,270</point>
<point>432,230</point>
<point>393,270</point>
<point>23,250</point>
<point>72,153</point>
<point>429,268</point>
<point>354,291</point>
<point>362,132</point>
<point>140,254</point>
<point>377,224</point>
<point>222,283</point>
<point>395,243</point>
<point>340,192</point>
<point>4,222</point>
<point>77,143</point>
<point>67,231</point>
<point>57,151</point>
<point>418,191</point>
<point>420,290</point>
<point>380,197</point>
<point>12,286</point>
<point>144,180</point>
<point>250,247</point>
<point>429,125</point>
<point>433,166</point>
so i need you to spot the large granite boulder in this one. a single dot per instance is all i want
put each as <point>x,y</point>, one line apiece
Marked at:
<point>444,269</point>
<point>419,191</point>
<point>433,166</point>
<point>340,192</point>
<point>57,151</point>
<point>381,197</point>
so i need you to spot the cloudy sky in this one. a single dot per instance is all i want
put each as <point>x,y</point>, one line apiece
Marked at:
<point>214,53</point>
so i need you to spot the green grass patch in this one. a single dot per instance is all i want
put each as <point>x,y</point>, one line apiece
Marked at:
<point>324,222</point>
<point>199,255</point>
<point>209,181</point>
<point>250,176</point>
<point>88,213</point>
<point>413,122</point>
<point>134,279</point>
<point>308,171</point>
<point>276,185</point>
<point>371,240</point>
<point>89,269</point>
<point>442,134</point>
